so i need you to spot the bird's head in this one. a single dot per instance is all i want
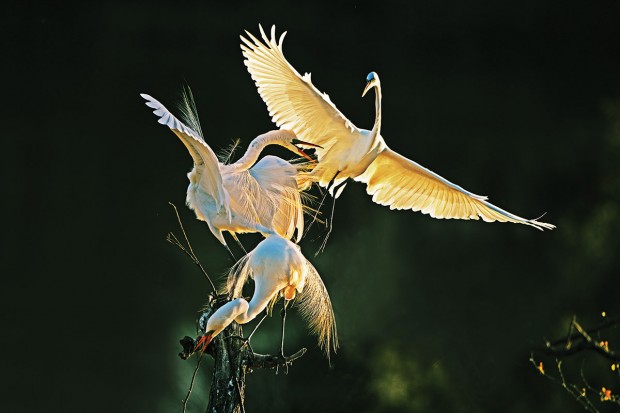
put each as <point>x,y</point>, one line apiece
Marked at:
<point>204,341</point>
<point>372,80</point>
<point>296,146</point>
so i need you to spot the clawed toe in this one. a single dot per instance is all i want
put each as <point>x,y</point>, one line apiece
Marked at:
<point>282,361</point>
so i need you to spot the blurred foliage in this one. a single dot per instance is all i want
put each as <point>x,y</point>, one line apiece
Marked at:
<point>402,382</point>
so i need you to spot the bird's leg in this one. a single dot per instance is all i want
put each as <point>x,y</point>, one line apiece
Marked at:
<point>335,191</point>
<point>246,341</point>
<point>283,325</point>
<point>256,327</point>
<point>329,229</point>
<point>239,242</point>
<point>318,210</point>
<point>282,342</point>
<point>230,253</point>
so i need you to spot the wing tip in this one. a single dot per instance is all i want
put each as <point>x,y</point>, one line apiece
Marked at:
<point>541,226</point>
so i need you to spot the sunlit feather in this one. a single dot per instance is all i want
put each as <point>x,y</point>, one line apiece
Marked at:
<point>350,152</point>
<point>274,265</point>
<point>245,196</point>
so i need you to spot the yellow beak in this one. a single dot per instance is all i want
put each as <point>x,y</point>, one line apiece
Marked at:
<point>369,86</point>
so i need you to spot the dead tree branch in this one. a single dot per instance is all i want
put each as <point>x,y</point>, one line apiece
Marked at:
<point>582,340</point>
<point>233,360</point>
<point>189,251</point>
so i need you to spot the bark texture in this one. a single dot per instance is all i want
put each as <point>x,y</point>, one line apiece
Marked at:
<point>233,359</point>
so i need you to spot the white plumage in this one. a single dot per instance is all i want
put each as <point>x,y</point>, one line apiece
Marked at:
<point>279,269</point>
<point>350,152</point>
<point>246,196</point>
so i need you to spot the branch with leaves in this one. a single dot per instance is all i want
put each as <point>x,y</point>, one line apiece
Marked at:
<point>581,341</point>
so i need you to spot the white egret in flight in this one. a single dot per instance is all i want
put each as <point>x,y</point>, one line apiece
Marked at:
<point>347,151</point>
<point>279,269</point>
<point>245,196</point>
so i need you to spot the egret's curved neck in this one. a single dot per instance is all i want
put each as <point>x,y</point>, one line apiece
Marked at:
<point>376,129</point>
<point>274,137</point>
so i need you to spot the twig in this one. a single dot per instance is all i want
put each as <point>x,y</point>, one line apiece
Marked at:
<point>191,383</point>
<point>610,322</point>
<point>264,361</point>
<point>581,341</point>
<point>570,388</point>
<point>171,238</point>
<point>240,396</point>
<point>255,361</point>
<point>569,343</point>
<point>604,351</point>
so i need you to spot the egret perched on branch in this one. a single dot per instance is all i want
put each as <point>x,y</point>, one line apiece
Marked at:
<point>279,269</point>
<point>245,196</point>
<point>347,151</point>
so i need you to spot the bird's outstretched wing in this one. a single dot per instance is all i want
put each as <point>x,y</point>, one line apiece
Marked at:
<point>206,162</point>
<point>401,183</point>
<point>292,100</point>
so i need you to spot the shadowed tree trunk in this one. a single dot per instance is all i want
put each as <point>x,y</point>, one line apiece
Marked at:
<point>233,356</point>
<point>233,360</point>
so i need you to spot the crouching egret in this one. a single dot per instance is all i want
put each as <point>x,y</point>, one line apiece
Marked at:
<point>246,196</point>
<point>349,152</point>
<point>279,269</point>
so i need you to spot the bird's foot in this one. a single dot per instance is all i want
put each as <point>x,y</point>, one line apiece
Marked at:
<point>282,362</point>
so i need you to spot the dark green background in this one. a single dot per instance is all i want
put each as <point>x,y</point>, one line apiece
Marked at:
<point>516,100</point>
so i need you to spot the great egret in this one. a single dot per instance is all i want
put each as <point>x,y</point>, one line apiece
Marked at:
<point>279,269</point>
<point>349,152</point>
<point>243,196</point>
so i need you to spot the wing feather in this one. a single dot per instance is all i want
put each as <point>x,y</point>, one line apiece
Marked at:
<point>401,183</point>
<point>292,100</point>
<point>207,165</point>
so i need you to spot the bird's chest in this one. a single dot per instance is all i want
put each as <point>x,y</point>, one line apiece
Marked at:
<point>200,200</point>
<point>358,157</point>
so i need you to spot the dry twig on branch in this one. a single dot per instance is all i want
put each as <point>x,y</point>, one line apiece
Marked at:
<point>233,358</point>
<point>579,341</point>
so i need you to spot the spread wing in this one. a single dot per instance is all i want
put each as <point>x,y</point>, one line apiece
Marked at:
<point>207,165</point>
<point>293,101</point>
<point>401,183</point>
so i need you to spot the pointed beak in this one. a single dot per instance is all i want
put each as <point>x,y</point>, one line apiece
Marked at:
<point>203,342</point>
<point>305,155</point>
<point>369,86</point>
<point>296,142</point>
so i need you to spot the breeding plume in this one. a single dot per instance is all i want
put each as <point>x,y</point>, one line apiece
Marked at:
<point>279,269</point>
<point>243,196</point>
<point>347,151</point>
